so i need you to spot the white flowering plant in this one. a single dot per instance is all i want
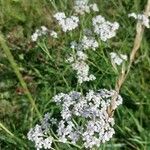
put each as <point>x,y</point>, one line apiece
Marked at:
<point>78,63</point>
<point>85,119</point>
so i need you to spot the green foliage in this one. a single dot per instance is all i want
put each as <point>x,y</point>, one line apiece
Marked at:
<point>46,75</point>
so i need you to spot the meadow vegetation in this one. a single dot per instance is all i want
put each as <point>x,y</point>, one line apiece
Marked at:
<point>42,67</point>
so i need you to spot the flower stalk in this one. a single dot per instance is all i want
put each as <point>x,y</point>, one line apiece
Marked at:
<point>125,71</point>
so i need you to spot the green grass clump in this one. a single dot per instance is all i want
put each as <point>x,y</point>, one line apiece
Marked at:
<point>43,72</point>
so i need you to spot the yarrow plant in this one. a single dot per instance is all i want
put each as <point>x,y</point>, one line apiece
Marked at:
<point>89,43</point>
<point>78,63</point>
<point>82,6</point>
<point>66,23</point>
<point>41,32</point>
<point>97,128</point>
<point>142,18</point>
<point>104,29</point>
<point>118,59</point>
<point>84,119</point>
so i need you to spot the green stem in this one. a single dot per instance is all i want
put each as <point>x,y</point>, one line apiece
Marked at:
<point>68,143</point>
<point>57,140</point>
<point>5,129</point>
<point>44,48</point>
<point>11,134</point>
<point>17,72</point>
<point>54,5</point>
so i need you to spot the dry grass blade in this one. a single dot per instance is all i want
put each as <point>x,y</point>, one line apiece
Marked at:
<point>125,71</point>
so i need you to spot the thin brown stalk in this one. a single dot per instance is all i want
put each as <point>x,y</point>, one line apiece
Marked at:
<point>125,71</point>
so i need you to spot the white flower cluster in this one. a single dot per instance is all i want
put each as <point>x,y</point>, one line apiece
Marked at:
<point>118,59</point>
<point>54,34</point>
<point>39,32</point>
<point>66,23</point>
<point>39,134</point>
<point>78,63</point>
<point>103,28</point>
<point>98,127</point>
<point>79,58</point>
<point>89,42</point>
<point>82,118</point>
<point>42,31</point>
<point>81,7</point>
<point>142,18</point>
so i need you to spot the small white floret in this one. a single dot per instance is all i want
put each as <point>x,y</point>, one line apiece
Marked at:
<point>142,18</point>
<point>118,59</point>
<point>54,34</point>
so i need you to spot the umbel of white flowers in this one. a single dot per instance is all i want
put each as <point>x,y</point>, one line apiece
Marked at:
<point>78,62</point>
<point>41,32</point>
<point>82,118</point>
<point>142,18</point>
<point>82,68</point>
<point>118,59</point>
<point>104,29</point>
<point>82,6</point>
<point>66,23</point>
